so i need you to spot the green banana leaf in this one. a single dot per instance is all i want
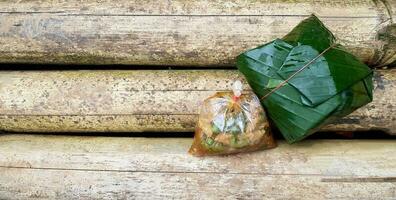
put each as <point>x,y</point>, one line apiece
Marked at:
<point>332,86</point>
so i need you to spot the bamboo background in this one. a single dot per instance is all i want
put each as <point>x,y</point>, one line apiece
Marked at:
<point>173,54</point>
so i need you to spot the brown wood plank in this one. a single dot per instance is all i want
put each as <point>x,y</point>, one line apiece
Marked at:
<point>142,100</point>
<point>187,33</point>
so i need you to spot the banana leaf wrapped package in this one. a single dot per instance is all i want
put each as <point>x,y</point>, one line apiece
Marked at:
<point>306,80</point>
<point>231,122</point>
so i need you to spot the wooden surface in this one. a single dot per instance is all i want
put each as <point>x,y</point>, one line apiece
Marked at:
<point>182,32</point>
<point>71,167</point>
<point>144,100</point>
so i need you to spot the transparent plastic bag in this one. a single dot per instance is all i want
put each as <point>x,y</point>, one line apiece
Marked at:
<point>231,122</point>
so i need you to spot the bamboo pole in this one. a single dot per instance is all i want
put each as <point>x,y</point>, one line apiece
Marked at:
<point>67,167</point>
<point>144,100</point>
<point>182,33</point>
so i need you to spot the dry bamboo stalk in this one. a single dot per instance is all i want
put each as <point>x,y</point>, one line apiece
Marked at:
<point>144,100</point>
<point>65,167</point>
<point>181,32</point>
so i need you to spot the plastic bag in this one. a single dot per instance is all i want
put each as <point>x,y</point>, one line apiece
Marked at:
<point>231,122</point>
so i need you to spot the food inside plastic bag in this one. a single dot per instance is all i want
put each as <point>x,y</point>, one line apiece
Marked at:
<point>231,122</point>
